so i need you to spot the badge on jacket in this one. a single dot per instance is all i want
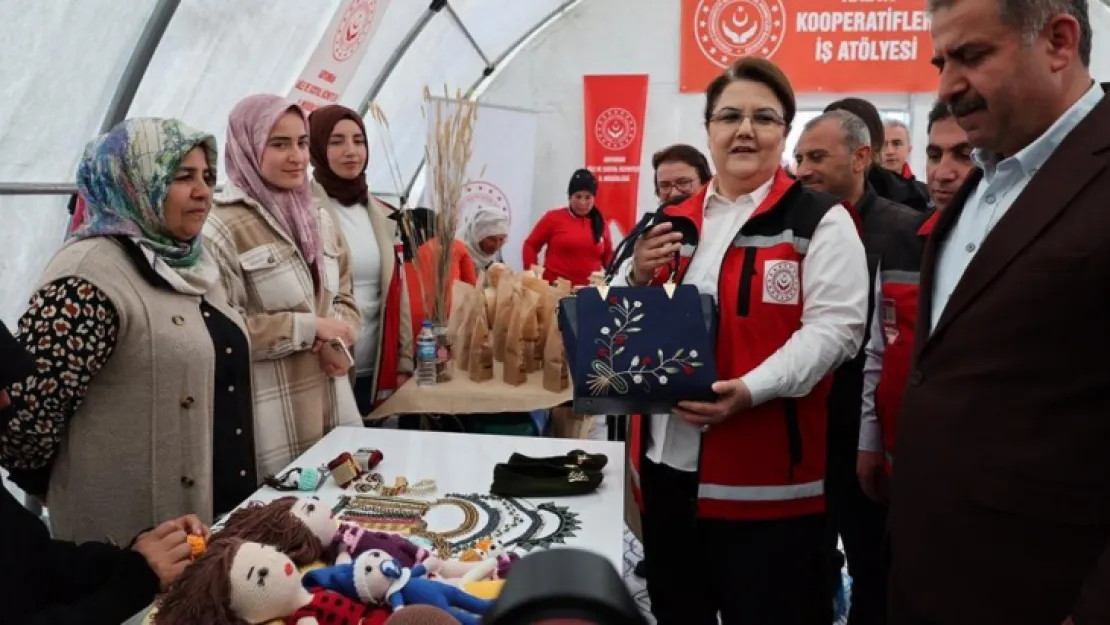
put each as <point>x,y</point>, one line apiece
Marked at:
<point>890,320</point>
<point>781,284</point>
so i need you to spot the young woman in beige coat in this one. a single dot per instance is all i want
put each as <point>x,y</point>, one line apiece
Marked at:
<point>284,263</point>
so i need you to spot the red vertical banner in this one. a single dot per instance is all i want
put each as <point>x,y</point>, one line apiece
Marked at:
<point>615,107</point>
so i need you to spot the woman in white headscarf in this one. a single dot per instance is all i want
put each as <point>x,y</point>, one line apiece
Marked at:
<point>484,236</point>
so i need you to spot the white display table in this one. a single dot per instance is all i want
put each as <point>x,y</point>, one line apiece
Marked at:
<point>463,463</point>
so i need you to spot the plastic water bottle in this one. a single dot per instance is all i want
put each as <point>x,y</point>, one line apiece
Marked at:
<point>426,356</point>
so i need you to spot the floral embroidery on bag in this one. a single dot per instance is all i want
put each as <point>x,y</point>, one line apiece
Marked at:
<point>641,370</point>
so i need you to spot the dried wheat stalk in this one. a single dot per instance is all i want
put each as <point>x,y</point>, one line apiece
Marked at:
<point>408,229</point>
<point>390,152</point>
<point>448,154</point>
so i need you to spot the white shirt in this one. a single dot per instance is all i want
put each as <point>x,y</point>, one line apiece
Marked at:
<point>835,287</point>
<point>1002,183</point>
<point>870,432</point>
<point>366,281</point>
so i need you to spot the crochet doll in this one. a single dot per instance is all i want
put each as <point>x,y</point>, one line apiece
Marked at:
<point>351,541</point>
<point>306,530</point>
<point>237,582</point>
<point>302,529</point>
<point>474,564</point>
<point>382,580</point>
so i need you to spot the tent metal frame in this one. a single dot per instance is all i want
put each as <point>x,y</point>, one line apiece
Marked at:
<point>162,15</point>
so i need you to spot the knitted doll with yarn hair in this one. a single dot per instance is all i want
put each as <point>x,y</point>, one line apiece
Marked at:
<point>303,529</point>
<point>306,531</point>
<point>238,582</point>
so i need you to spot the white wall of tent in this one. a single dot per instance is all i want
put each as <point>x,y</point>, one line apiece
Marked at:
<point>64,67</point>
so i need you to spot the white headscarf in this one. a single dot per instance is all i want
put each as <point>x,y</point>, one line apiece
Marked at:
<point>484,222</point>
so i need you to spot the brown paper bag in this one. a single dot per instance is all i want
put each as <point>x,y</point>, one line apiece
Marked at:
<point>481,352</point>
<point>460,326</point>
<point>495,272</point>
<point>462,305</point>
<point>545,315</point>
<point>544,290</point>
<point>556,376</point>
<point>516,361</point>
<point>530,332</point>
<point>490,299</point>
<point>503,314</point>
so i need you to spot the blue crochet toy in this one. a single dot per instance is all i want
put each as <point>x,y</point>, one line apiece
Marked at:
<point>386,581</point>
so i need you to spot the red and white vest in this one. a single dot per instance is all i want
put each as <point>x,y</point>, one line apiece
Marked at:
<point>769,462</point>
<point>899,272</point>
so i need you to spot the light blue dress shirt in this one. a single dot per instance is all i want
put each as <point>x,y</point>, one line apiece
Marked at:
<point>1002,183</point>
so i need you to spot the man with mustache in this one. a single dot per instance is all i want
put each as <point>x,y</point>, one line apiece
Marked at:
<point>833,156</point>
<point>1000,500</point>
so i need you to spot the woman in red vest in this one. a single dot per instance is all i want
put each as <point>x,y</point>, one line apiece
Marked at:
<point>745,474</point>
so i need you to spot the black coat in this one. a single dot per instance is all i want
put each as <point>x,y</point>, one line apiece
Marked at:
<point>904,191</point>
<point>49,581</point>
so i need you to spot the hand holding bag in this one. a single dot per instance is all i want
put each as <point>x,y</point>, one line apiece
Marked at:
<point>636,350</point>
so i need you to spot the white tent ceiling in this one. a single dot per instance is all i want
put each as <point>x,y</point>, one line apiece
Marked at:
<point>63,60</point>
<point>66,67</point>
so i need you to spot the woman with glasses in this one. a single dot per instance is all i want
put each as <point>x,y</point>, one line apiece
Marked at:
<point>746,472</point>
<point>680,169</point>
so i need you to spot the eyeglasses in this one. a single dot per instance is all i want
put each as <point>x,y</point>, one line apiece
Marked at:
<point>682,184</point>
<point>762,118</point>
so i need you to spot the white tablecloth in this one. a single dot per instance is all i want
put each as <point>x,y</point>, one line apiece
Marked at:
<point>463,463</point>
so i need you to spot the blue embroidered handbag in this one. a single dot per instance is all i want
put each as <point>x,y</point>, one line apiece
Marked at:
<point>641,350</point>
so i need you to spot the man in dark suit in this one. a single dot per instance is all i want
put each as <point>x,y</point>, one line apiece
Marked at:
<point>1001,489</point>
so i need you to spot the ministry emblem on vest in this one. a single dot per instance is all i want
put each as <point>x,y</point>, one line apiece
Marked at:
<point>890,320</point>
<point>780,282</point>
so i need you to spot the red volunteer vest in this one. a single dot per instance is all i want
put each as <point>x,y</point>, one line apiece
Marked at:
<point>900,269</point>
<point>769,462</point>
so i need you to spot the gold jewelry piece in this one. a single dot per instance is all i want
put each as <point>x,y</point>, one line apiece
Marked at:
<point>441,540</point>
<point>375,483</point>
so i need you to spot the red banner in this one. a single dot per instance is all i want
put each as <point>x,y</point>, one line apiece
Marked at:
<point>834,46</point>
<point>614,113</point>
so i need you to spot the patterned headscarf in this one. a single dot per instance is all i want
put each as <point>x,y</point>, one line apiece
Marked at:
<point>248,129</point>
<point>125,176</point>
<point>322,121</point>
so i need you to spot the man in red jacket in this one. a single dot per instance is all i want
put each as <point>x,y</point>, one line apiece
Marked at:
<point>889,347</point>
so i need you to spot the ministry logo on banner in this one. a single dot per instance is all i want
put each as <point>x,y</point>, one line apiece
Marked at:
<point>333,63</point>
<point>615,128</point>
<point>482,194</point>
<point>729,29</point>
<point>837,46</point>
